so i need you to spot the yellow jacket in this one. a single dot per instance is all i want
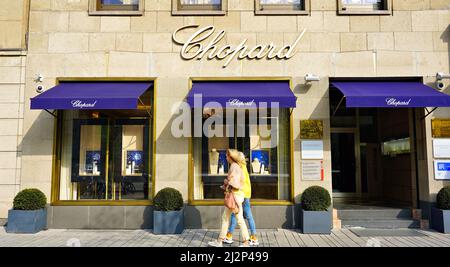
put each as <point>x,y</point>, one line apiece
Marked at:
<point>247,186</point>
<point>239,179</point>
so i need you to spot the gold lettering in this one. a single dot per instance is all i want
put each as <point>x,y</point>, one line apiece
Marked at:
<point>192,48</point>
<point>290,48</point>
<point>224,52</point>
<point>258,48</point>
<point>240,48</point>
<point>212,45</point>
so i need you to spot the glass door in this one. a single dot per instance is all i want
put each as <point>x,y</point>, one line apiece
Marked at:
<point>345,163</point>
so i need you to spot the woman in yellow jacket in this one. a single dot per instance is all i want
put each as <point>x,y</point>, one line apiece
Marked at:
<point>247,189</point>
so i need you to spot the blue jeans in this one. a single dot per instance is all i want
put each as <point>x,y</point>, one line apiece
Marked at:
<point>247,215</point>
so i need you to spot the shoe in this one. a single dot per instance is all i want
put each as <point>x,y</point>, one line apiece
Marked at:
<point>215,243</point>
<point>244,245</point>
<point>228,239</point>
<point>253,241</point>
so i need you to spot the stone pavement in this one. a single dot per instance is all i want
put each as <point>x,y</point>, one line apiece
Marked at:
<point>200,238</point>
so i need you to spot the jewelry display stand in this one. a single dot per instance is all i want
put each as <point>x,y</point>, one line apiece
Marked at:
<point>213,161</point>
<point>256,166</point>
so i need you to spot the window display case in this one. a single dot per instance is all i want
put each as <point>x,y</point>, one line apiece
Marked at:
<point>110,159</point>
<point>265,144</point>
<point>92,165</point>
<point>88,158</point>
<point>134,162</point>
<point>130,158</point>
<point>89,150</point>
<point>260,162</point>
<point>130,153</point>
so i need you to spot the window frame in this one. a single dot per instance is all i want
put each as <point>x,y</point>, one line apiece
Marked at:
<point>57,150</point>
<point>218,202</point>
<point>95,9</point>
<point>199,10</point>
<point>282,9</point>
<point>386,11</point>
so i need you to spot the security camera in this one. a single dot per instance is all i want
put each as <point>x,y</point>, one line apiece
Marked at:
<point>311,77</point>
<point>40,89</point>
<point>440,85</point>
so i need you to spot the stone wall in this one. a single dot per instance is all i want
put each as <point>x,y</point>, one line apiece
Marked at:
<point>12,87</point>
<point>65,42</point>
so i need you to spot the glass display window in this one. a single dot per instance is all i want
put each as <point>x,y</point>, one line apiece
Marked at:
<point>130,158</point>
<point>105,155</point>
<point>265,143</point>
<point>88,158</point>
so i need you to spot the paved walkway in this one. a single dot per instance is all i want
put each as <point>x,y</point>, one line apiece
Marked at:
<point>200,238</point>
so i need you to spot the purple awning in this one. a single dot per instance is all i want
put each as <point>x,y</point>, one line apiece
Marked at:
<point>91,95</point>
<point>245,94</point>
<point>391,95</point>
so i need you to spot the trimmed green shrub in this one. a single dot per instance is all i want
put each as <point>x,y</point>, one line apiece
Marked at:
<point>443,198</point>
<point>168,199</point>
<point>30,199</point>
<point>315,198</point>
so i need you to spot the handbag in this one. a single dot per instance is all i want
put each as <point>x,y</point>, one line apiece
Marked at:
<point>230,202</point>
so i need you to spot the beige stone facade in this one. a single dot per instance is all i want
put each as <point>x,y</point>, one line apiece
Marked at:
<point>65,42</point>
<point>13,29</point>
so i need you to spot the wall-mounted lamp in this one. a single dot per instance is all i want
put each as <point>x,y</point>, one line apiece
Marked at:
<point>311,78</point>
<point>442,76</point>
<point>40,78</point>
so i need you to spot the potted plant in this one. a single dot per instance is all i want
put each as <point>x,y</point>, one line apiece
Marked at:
<point>168,215</point>
<point>29,214</point>
<point>440,215</point>
<point>316,215</point>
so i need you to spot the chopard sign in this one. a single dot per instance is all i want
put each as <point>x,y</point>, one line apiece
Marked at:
<point>238,103</point>
<point>195,47</point>
<point>80,104</point>
<point>396,103</point>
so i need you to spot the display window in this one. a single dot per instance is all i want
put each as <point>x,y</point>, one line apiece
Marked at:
<point>265,142</point>
<point>105,155</point>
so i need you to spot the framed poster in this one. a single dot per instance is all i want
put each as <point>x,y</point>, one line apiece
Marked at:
<point>223,163</point>
<point>442,169</point>
<point>92,164</point>
<point>135,164</point>
<point>312,149</point>
<point>441,148</point>
<point>311,129</point>
<point>312,170</point>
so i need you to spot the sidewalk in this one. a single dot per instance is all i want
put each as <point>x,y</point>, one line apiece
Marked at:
<point>200,238</point>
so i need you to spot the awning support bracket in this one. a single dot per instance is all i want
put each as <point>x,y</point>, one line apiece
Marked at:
<point>51,113</point>
<point>142,103</point>
<point>429,112</point>
<point>340,102</point>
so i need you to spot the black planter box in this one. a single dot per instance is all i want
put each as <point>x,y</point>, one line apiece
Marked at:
<point>26,221</point>
<point>316,222</point>
<point>168,222</point>
<point>440,220</point>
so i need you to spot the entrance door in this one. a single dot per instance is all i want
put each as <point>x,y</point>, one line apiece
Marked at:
<point>345,162</point>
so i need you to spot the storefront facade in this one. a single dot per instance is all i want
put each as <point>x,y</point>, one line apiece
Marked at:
<point>101,162</point>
